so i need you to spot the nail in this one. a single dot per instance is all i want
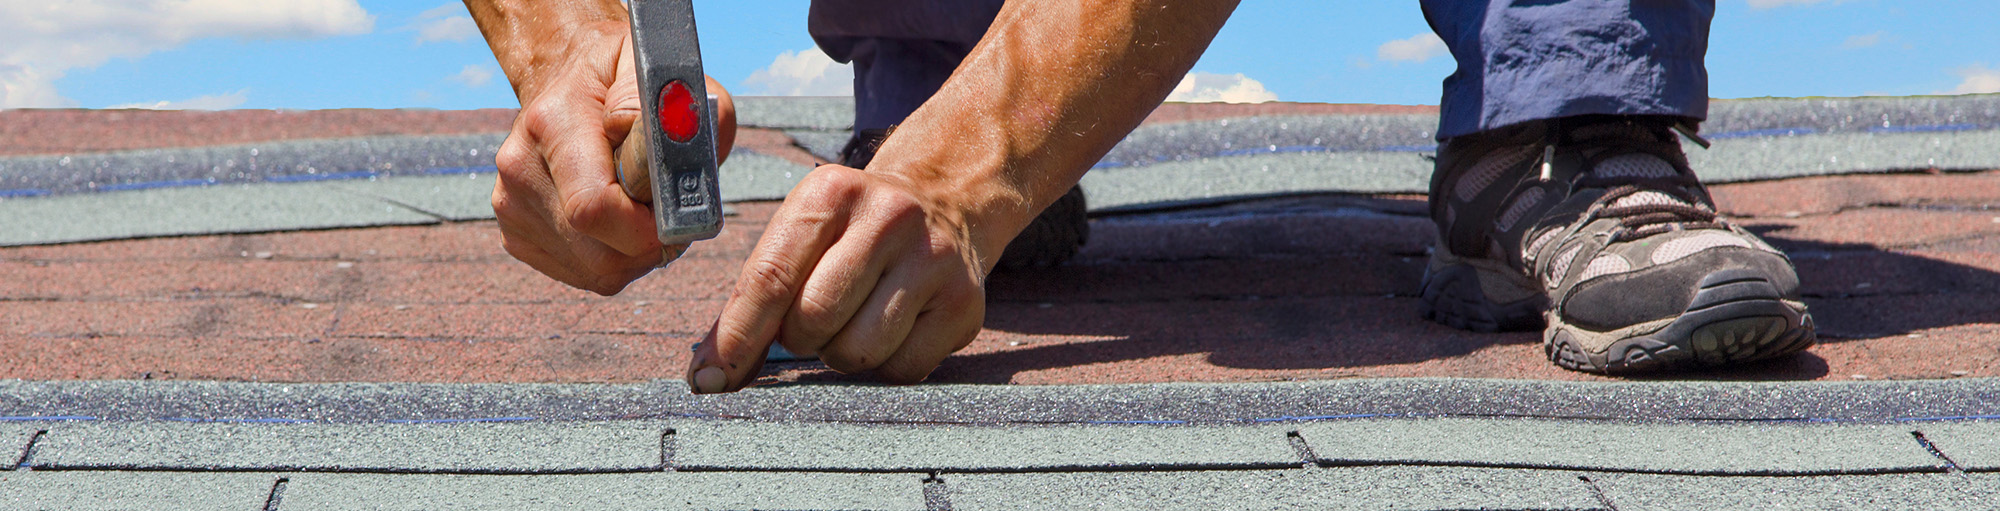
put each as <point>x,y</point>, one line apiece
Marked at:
<point>710,380</point>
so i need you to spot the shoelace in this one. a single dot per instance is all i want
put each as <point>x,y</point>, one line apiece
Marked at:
<point>1684,212</point>
<point>1643,220</point>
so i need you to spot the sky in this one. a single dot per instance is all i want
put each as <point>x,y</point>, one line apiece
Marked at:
<point>314,54</point>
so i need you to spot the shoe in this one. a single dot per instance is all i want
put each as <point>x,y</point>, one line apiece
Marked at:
<point>1052,238</point>
<point>1595,229</point>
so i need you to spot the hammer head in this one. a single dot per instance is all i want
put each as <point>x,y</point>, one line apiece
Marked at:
<point>670,156</point>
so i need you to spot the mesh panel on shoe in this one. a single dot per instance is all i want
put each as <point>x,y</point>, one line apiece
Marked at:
<point>1535,247</point>
<point>1647,198</point>
<point>1561,266</point>
<point>1676,249</point>
<point>1488,169</point>
<point>1522,204</point>
<point>1605,264</point>
<point>1634,165</point>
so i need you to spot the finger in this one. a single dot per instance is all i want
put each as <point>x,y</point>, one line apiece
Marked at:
<point>621,100</point>
<point>725,119</point>
<point>843,280</point>
<point>882,324</point>
<point>703,379</point>
<point>579,163</point>
<point>528,234</point>
<point>936,334</point>
<point>799,233</point>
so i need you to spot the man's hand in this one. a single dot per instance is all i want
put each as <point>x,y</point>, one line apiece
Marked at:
<point>882,270</point>
<point>558,201</point>
<point>870,272</point>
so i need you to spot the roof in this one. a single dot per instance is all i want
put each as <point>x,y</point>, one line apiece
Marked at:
<point>1241,331</point>
<point>1413,443</point>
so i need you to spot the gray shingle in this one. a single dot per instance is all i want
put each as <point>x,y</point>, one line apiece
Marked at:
<point>452,197</point>
<point>740,445</point>
<point>134,491</point>
<point>14,439</point>
<point>1885,491</point>
<point>1845,153</point>
<point>300,160</point>
<point>456,447</point>
<point>1207,179</point>
<point>753,176</point>
<point>1973,445</point>
<point>1686,448</point>
<point>817,113</point>
<point>198,210</point>
<point>825,144</point>
<point>1199,402</point>
<point>606,492</point>
<point>1336,488</point>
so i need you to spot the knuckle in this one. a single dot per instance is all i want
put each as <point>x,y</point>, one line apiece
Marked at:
<point>766,279</point>
<point>514,158</point>
<point>818,303</point>
<point>832,185</point>
<point>816,314</point>
<point>540,116</point>
<point>584,212</point>
<point>905,373</point>
<point>850,357</point>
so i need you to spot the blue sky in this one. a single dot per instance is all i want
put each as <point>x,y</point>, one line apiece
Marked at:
<point>307,54</point>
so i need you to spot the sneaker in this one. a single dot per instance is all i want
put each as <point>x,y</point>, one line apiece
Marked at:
<point>1595,229</point>
<point>1050,240</point>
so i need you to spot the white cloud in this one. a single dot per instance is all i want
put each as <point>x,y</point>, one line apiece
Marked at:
<point>211,102</point>
<point>43,39</point>
<point>1772,4</point>
<point>448,22</point>
<point>1977,80</point>
<point>1417,48</point>
<point>1220,88</point>
<point>1862,41</point>
<point>807,72</point>
<point>473,76</point>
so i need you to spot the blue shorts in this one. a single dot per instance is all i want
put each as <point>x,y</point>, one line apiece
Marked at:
<point>1518,60</point>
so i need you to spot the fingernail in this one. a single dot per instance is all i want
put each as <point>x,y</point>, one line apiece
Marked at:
<point>710,380</point>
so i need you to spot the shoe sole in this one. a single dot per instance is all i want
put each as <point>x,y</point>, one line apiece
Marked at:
<point>1053,237</point>
<point>1736,317</point>
<point>1453,296</point>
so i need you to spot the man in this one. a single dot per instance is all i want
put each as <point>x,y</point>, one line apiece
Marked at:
<point>1560,194</point>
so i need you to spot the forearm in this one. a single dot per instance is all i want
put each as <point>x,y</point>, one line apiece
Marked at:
<point>529,37</point>
<point>1052,87</point>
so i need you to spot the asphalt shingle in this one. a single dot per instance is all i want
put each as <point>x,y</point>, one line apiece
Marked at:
<point>1335,488</point>
<point>1887,491</point>
<point>815,113</point>
<point>195,210</point>
<point>457,198</point>
<point>1195,402</point>
<point>1197,181</point>
<point>288,161</point>
<point>745,445</point>
<point>1973,445</point>
<point>606,492</point>
<point>1680,448</point>
<point>491,447</point>
<point>14,442</point>
<point>753,176</point>
<point>134,491</point>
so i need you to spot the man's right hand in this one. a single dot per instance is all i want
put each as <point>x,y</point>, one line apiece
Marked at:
<point>558,201</point>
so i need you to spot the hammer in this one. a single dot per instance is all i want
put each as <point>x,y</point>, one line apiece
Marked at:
<point>669,158</point>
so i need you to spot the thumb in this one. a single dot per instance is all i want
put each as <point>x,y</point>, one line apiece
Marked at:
<point>706,374</point>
